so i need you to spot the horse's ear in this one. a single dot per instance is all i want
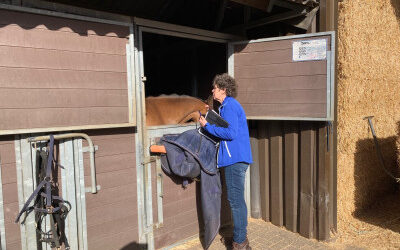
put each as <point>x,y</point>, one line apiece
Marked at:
<point>210,102</point>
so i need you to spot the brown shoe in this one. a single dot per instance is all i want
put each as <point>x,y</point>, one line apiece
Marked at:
<point>241,246</point>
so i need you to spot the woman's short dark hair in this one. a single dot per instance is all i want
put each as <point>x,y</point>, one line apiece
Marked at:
<point>225,81</point>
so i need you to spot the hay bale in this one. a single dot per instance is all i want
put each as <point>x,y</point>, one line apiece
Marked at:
<point>368,84</point>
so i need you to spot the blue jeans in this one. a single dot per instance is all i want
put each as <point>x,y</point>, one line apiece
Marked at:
<point>235,177</point>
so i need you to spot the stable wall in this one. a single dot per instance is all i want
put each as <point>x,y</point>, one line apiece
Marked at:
<point>368,84</point>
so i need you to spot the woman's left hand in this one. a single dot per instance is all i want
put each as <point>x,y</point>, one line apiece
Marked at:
<point>202,121</point>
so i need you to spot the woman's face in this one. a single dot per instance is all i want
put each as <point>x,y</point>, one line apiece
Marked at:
<point>218,94</point>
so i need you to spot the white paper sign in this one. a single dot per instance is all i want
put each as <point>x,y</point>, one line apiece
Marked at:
<point>309,50</point>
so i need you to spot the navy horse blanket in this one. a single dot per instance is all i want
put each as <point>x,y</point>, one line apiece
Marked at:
<point>191,155</point>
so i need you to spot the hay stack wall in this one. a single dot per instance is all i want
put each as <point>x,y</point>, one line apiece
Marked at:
<point>368,84</point>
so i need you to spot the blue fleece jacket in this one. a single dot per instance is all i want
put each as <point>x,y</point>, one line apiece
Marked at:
<point>235,140</point>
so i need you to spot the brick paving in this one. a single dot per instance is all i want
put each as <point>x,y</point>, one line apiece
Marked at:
<point>262,235</point>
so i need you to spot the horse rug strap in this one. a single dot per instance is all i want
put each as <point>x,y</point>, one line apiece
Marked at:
<point>47,204</point>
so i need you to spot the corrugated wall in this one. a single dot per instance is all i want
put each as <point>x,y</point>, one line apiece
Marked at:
<point>296,176</point>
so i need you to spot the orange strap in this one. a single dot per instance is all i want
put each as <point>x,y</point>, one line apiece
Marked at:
<point>158,149</point>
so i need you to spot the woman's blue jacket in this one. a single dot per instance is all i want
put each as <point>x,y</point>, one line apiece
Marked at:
<point>235,141</point>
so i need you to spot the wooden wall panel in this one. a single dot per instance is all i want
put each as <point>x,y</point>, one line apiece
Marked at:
<point>10,192</point>
<point>306,181</point>
<point>291,154</point>
<point>294,176</point>
<point>58,72</point>
<point>112,212</point>
<point>276,168</point>
<point>271,84</point>
<point>264,166</point>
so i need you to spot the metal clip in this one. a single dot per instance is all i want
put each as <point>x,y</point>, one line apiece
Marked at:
<point>148,159</point>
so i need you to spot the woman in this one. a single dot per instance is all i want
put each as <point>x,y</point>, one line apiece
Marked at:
<point>234,153</point>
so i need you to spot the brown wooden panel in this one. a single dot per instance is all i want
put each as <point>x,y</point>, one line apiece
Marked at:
<point>110,212</point>
<point>13,234</point>
<point>124,239</point>
<point>274,45</point>
<point>7,150</point>
<point>298,96</point>
<point>323,195</point>
<point>285,69</point>
<point>9,173</point>
<point>11,211</point>
<point>60,40</point>
<point>62,98</point>
<point>33,118</point>
<point>111,163</point>
<point>263,150</point>
<point>276,157</point>
<point>52,62</point>
<point>26,79</point>
<point>113,227</point>
<point>116,179</point>
<point>263,57</point>
<point>18,57</point>
<point>84,28</point>
<point>291,131</point>
<point>306,180</point>
<point>281,110</point>
<point>10,193</point>
<point>14,245</point>
<point>282,83</point>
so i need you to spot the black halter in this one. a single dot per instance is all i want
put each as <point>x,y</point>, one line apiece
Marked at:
<point>46,200</point>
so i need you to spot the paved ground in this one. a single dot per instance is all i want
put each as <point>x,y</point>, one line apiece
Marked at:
<point>263,235</point>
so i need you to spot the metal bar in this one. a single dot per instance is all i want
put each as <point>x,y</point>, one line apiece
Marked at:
<point>133,72</point>
<point>329,115</point>
<point>69,128</point>
<point>2,226</point>
<point>231,59</point>
<point>158,131</point>
<point>60,14</point>
<point>184,29</point>
<point>139,145</point>
<point>69,190</point>
<point>145,153</point>
<point>81,199</point>
<point>327,33</point>
<point>286,118</point>
<point>160,193</point>
<point>91,150</point>
<point>183,35</point>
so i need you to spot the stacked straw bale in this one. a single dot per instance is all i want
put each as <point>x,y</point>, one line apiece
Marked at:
<point>368,84</point>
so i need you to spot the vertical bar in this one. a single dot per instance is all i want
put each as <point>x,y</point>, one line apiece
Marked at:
<point>80,194</point>
<point>133,73</point>
<point>69,191</point>
<point>139,143</point>
<point>247,191</point>
<point>2,226</point>
<point>323,195</point>
<point>306,180</point>
<point>276,157</point>
<point>263,152</point>
<point>291,174</point>
<point>255,175</point>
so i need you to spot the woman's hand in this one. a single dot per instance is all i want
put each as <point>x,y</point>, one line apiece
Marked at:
<point>202,121</point>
